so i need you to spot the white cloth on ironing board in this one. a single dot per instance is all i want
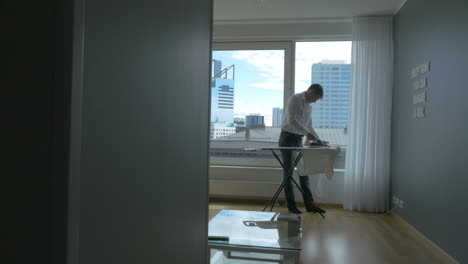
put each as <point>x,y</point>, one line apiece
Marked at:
<point>318,160</point>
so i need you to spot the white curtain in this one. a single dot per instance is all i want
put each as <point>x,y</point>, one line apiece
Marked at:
<point>367,176</point>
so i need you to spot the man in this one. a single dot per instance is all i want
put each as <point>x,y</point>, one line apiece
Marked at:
<point>297,123</point>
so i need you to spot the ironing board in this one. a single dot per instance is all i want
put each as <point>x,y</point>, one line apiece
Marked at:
<point>289,173</point>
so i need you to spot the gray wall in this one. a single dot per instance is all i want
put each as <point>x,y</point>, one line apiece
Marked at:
<point>143,194</point>
<point>37,70</point>
<point>123,133</point>
<point>429,156</point>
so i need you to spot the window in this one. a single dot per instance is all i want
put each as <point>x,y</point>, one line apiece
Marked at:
<point>314,60</point>
<point>249,85</point>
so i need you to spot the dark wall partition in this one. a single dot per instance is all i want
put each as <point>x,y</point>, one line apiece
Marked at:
<point>110,109</point>
<point>145,113</point>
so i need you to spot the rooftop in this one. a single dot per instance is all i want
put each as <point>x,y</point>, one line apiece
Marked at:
<point>268,137</point>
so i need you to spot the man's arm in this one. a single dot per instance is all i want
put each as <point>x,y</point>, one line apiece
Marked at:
<point>311,137</point>
<point>293,112</point>
<point>312,134</point>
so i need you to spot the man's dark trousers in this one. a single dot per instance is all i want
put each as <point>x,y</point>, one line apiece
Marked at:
<point>292,140</point>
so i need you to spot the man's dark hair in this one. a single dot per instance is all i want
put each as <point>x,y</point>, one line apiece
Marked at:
<point>317,88</point>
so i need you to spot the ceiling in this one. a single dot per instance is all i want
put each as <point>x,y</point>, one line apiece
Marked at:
<point>225,10</point>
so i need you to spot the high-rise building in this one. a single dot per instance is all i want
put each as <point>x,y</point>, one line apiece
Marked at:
<point>254,120</point>
<point>216,65</point>
<point>277,116</point>
<point>222,94</point>
<point>219,130</point>
<point>239,121</point>
<point>333,110</point>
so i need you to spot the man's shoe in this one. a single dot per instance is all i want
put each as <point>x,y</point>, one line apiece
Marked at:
<point>294,210</point>
<point>315,209</point>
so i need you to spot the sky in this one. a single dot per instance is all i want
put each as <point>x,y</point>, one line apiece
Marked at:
<point>259,74</point>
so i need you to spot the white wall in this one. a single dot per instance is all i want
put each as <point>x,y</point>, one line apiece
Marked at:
<point>262,9</point>
<point>282,30</point>
<point>262,183</point>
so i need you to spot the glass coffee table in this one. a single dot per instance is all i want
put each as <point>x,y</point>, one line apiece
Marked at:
<point>236,236</point>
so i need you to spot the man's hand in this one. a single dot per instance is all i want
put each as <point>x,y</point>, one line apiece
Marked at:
<point>311,137</point>
<point>323,143</point>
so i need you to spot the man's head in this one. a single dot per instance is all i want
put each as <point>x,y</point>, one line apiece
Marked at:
<point>314,93</point>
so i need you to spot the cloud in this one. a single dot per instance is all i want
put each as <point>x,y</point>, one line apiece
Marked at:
<point>301,86</point>
<point>268,85</point>
<point>319,51</point>
<point>245,108</point>
<point>303,73</point>
<point>308,53</point>
<point>269,63</point>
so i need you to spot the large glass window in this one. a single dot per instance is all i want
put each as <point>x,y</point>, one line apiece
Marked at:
<point>250,84</point>
<point>248,87</point>
<point>329,64</point>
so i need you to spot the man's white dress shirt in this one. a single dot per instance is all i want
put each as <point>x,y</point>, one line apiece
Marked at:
<point>297,117</point>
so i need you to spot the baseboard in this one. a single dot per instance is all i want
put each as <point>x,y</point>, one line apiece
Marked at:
<point>243,190</point>
<point>413,229</point>
<point>261,201</point>
<point>252,190</point>
<point>236,200</point>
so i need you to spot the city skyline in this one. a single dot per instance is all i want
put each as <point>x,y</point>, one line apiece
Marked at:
<point>258,80</point>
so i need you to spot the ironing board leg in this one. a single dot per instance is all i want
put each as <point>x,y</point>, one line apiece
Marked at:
<point>283,183</point>
<point>289,175</point>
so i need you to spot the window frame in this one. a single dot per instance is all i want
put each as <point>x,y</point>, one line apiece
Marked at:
<point>289,56</point>
<point>289,48</point>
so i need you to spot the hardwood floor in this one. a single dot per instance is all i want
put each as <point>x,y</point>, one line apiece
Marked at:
<point>349,237</point>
